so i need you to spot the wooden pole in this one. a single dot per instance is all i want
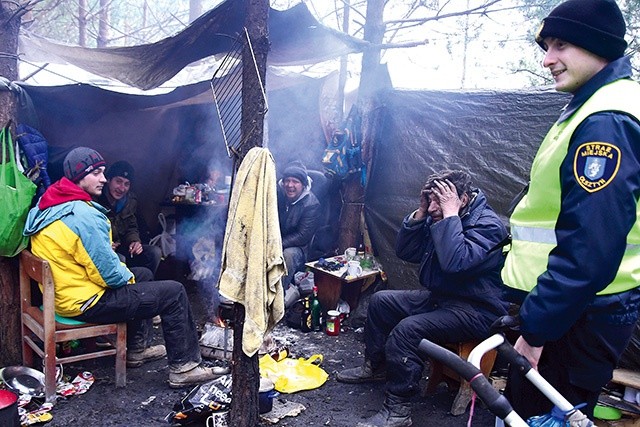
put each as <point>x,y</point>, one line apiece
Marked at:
<point>245,370</point>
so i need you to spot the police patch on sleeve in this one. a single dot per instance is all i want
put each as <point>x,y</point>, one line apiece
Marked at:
<point>595,165</point>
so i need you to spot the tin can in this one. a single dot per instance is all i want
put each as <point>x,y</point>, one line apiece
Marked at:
<point>333,323</point>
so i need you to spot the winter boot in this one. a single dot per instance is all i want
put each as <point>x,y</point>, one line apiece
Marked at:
<point>395,412</point>
<point>149,354</point>
<point>362,374</point>
<point>196,376</point>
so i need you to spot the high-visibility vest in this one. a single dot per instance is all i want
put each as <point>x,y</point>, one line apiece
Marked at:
<point>534,218</point>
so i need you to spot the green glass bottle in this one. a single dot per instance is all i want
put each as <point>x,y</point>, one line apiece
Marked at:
<point>316,312</point>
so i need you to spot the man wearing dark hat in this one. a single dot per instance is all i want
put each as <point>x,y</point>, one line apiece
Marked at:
<point>123,205</point>
<point>574,263</point>
<point>73,233</point>
<point>299,215</point>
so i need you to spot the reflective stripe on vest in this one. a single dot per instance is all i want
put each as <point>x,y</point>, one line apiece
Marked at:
<point>544,235</point>
<point>534,218</point>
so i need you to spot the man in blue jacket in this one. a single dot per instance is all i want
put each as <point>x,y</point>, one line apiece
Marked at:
<point>456,237</point>
<point>574,263</point>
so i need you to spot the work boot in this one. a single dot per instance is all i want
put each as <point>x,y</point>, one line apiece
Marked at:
<point>195,376</point>
<point>395,412</point>
<point>153,352</point>
<point>362,374</point>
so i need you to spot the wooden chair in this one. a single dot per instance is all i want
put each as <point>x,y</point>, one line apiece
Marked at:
<point>442,373</point>
<point>41,331</point>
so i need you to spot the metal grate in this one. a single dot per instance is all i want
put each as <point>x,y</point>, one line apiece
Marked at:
<point>226,85</point>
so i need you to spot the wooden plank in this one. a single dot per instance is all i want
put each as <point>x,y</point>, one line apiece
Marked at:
<point>626,377</point>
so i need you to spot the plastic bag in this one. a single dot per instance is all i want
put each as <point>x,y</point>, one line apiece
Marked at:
<point>202,401</point>
<point>16,194</point>
<point>291,375</point>
<point>164,240</point>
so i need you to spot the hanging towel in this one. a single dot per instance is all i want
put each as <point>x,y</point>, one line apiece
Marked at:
<point>252,261</point>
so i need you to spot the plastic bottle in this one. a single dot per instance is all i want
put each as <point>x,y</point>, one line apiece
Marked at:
<point>316,312</point>
<point>305,325</point>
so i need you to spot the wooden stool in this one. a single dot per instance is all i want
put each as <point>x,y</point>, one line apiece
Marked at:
<point>440,373</point>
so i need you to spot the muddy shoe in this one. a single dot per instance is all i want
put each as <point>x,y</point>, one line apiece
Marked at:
<point>197,375</point>
<point>154,352</point>
<point>362,374</point>
<point>395,412</point>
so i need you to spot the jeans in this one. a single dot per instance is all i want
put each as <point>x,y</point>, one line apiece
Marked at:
<point>294,259</point>
<point>138,303</point>
<point>398,320</point>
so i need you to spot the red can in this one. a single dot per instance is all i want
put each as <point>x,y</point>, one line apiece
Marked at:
<point>333,323</point>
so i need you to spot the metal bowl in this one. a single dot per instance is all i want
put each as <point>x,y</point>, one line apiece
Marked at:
<point>23,380</point>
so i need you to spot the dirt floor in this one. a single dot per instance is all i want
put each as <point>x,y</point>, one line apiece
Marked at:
<point>147,398</point>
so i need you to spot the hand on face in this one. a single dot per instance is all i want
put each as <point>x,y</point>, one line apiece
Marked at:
<point>445,200</point>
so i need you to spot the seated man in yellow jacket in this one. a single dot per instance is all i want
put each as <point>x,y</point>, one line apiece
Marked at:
<point>72,232</point>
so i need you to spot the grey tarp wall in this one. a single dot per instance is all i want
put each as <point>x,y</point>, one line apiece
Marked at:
<point>492,134</point>
<point>173,137</point>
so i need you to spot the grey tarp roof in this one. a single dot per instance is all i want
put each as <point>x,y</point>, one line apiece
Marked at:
<point>296,38</point>
<point>492,134</point>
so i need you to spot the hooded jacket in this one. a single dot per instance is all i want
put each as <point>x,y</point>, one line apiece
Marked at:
<point>298,220</point>
<point>74,235</point>
<point>460,256</point>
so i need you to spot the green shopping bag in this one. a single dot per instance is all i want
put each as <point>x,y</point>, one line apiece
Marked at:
<point>16,193</point>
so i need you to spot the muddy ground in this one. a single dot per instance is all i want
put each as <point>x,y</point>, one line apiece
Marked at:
<point>147,398</point>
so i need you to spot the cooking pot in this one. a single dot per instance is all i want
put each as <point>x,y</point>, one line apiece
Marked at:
<point>266,393</point>
<point>9,409</point>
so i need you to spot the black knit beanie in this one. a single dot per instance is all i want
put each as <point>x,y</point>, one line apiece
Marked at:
<point>80,162</point>
<point>595,25</point>
<point>121,168</point>
<point>296,170</point>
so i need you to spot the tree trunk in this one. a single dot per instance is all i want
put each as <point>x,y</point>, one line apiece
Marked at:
<point>353,191</point>
<point>82,23</point>
<point>103,24</point>
<point>10,339</point>
<point>245,370</point>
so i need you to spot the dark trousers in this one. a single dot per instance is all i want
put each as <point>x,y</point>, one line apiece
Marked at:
<point>578,364</point>
<point>138,303</point>
<point>149,258</point>
<point>398,320</point>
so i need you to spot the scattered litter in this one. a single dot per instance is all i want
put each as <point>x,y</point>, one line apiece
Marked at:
<point>39,415</point>
<point>202,401</point>
<point>282,408</point>
<point>80,385</point>
<point>149,400</point>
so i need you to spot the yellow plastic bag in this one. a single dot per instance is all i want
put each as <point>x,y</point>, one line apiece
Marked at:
<point>290,375</point>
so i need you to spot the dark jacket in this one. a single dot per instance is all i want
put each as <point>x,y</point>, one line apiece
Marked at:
<point>460,256</point>
<point>124,224</point>
<point>592,228</point>
<point>298,220</point>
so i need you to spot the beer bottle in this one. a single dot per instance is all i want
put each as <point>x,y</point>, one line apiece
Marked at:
<point>316,312</point>
<point>305,324</point>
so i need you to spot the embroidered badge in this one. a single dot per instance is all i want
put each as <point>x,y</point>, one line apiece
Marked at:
<point>595,165</point>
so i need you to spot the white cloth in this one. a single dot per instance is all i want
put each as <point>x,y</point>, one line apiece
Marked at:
<point>252,262</point>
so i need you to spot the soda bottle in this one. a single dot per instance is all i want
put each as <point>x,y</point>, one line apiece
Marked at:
<point>305,324</point>
<point>316,312</point>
